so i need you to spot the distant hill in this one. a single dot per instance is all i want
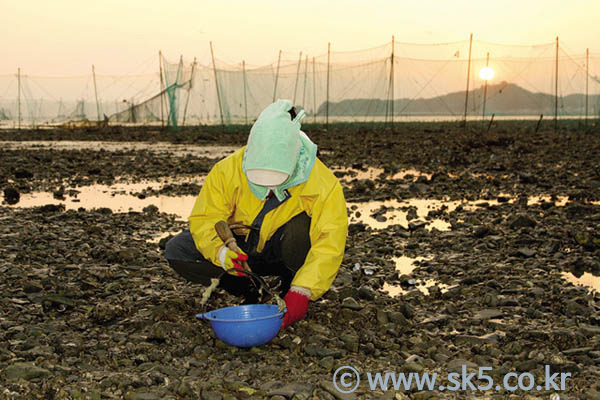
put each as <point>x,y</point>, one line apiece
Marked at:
<point>502,99</point>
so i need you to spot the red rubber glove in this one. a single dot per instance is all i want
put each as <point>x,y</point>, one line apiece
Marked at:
<point>230,261</point>
<point>237,263</point>
<point>296,302</point>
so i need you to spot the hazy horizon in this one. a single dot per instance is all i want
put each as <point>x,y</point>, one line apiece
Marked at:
<point>65,37</point>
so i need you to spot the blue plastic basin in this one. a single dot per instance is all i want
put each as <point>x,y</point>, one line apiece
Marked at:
<point>245,326</point>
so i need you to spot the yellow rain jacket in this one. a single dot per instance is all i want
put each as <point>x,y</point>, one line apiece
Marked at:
<point>226,195</point>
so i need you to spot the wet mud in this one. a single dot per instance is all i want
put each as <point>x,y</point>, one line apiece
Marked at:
<point>485,254</point>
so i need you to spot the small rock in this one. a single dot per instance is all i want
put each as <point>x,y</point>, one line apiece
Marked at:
<point>350,342</point>
<point>524,252</point>
<point>397,318</point>
<point>457,364</point>
<point>142,396</point>
<point>327,362</point>
<point>527,365</point>
<point>151,209</point>
<point>350,303</point>
<point>578,351</point>
<point>11,195</point>
<point>508,302</point>
<point>27,371</point>
<point>483,231</point>
<point>331,389</point>
<point>291,389</point>
<point>23,174</point>
<point>522,221</point>
<point>487,314</point>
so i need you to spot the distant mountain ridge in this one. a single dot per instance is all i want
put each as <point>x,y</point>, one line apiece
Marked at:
<point>502,99</point>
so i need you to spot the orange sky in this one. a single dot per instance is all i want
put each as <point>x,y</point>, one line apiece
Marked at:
<point>64,37</point>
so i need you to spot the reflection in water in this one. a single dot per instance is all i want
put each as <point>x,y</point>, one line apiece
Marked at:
<point>422,286</point>
<point>415,174</point>
<point>181,150</point>
<point>587,279</point>
<point>353,173</point>
<point>163,235</point>
<point>399,217</point>
<point>369,214</point>
<point>405,265</point>
<point>374,173</point>
<point>113,197</point>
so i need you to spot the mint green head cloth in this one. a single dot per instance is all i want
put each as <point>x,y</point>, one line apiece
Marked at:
<point>277,144</point>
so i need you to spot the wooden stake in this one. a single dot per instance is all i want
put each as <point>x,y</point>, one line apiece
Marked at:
<point>487,63</point>
<point>217,85</point>
<point>245,84</point>
<point>162,88</point>
<point>297,75</point>
<point>188,93</point>
<point>587,81</point>
<point>537,127</point>
<point>19,98</point>
<point>327,102</point>
<point>276,78</point>
<point>305,76</point>
<point>392,86</point>
<point>468,78</point>
<point>556,89</point>
<point>314,92</point>
<point>96,92</point>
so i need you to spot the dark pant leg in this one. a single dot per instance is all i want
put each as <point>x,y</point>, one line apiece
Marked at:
<point>187,261</point>
<point>286,251</point>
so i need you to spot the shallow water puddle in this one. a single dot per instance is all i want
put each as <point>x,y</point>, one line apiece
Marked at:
<point>353,173</point>
<point>180,150</point>
<point>118,197</point>
<point>374,173</point>
<point>422,285</point>
<point>123,197</point>
<point>405,265</point>
<point>411,172</point>
<point>372,215</point>
<point>94,198</point>
<point>364,213</point>
<point>156,239</point>
<point>587,279</point>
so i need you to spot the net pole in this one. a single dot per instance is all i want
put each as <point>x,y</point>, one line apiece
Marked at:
<point>39,113</point>
<point>96,92</point>
<point>556,88</point>
<point>305,77</point>
<point>162,88</point>
<point>487,63</point>
<point>314,91</point>
<point>468,78</point>
<point>297,76</point>
<point>387,96</point>
<point>392,87</point>
<point>19,98</point>
<point>276,77</point>
<point>587,81</point>
<point>187,100</point>
<point>245,84</point>
<point>217,85</point>
<point>327,102</point>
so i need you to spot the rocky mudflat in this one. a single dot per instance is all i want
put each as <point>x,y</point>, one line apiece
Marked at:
<point>90,309</point>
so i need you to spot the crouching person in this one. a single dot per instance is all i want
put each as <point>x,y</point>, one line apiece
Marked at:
<point>286,209</point>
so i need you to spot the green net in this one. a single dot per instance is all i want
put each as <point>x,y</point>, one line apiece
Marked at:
<point>393,82</point>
